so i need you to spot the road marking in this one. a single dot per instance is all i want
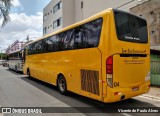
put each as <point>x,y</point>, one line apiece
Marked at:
<point>125,114</point>
<point>150,97</point>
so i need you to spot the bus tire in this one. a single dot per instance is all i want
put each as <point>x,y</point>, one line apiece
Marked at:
<point>28,73</point>
<point>9,67</point>
<point>16,69</point>
<point>62,85</point>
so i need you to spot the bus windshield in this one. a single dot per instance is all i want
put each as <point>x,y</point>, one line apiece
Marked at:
<point>130,28</point>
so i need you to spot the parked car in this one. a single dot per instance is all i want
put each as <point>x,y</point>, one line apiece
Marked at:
<point>1,62</point>
<point>5,63</point>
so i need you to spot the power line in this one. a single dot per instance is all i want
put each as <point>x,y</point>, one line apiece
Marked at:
<point>124,4</point>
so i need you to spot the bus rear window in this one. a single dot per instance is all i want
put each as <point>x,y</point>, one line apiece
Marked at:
<point>131,28</point>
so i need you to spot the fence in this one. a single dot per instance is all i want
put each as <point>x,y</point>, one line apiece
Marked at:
<point>155,72</point>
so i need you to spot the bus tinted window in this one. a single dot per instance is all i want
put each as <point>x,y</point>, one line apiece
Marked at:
<point>15,55</point>
<point>131,28</point>
<point>84,36</point>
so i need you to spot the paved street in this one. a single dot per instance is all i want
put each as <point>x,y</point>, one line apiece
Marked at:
<point>17,90</point>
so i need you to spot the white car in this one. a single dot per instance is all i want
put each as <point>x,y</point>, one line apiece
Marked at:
<point>1,61</point>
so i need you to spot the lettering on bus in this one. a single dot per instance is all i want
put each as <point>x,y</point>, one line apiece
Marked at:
<point>116,84</point>
<point>132,38</point>
<point>133,61</point>
<point>133,51</point>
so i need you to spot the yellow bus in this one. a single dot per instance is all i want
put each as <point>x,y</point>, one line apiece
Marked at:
<point>105,57</point>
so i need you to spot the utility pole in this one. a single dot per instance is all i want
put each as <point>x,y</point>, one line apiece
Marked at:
<point>1,53</point>
<point>27,38</point>
<point>125,4</point>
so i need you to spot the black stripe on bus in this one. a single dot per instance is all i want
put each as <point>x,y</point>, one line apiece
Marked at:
<point>133,55</point>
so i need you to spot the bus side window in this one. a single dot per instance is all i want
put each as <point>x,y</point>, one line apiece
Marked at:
<point>20,55</point>
<point>60,42</point>
<point>69,40</point>
<point>53,43</point>
<point>78,39</point>
<point>7,57</point>
<point>91,33</point>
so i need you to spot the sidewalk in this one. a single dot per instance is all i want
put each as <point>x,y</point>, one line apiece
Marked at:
<point>154,92</point>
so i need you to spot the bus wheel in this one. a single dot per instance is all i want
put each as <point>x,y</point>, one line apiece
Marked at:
<point>28,73</point>
<point>62,85</point>
<point>16,69</point>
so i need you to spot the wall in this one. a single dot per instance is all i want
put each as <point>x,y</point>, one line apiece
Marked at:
<point>72,12</point>
<point>91,7</point>
<point>51,17</point>
<point>151,12</point>
<point>68,15</point>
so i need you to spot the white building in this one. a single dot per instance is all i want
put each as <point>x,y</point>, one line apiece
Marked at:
<point>17,45</point>
<point>61,13</point>
<point>58,14</point>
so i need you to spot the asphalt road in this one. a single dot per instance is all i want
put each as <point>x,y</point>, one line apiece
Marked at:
<point>17,90</point>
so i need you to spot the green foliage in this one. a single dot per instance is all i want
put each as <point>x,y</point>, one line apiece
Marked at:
<point>4,56</point>
<point>4,11</point>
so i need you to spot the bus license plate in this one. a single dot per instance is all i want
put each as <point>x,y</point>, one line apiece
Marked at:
<point>135,89</point>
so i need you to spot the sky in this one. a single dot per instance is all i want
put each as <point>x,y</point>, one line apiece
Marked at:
<point>26,19</point>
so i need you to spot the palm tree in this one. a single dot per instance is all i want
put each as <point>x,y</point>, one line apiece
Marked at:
<point>4,11</point>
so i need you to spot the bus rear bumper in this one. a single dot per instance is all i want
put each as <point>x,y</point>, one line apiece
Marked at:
<point>119,94</point>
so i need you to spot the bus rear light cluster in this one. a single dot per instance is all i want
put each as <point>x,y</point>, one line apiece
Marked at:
<point>110,80</point>
<point>117,93</point>
<point>109,65</point>
<point>109,71</point>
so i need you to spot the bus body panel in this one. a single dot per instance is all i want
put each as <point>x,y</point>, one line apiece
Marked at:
<point>131,66</point>
<point>127,92</point>
<point>49,65</point>
<point>128,71</point>
<point>15,65</point>
<point>83,67</point>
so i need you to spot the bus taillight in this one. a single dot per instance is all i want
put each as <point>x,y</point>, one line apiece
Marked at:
<point>109,71</point>
<point>109,65</point>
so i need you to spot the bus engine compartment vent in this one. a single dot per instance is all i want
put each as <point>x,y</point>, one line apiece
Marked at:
<point>90,81</point>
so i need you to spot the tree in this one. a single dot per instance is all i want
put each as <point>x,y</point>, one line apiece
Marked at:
<point>3,56</point>
<point>4,11</point>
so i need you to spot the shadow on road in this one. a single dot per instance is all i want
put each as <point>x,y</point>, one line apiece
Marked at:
<point>14,72</point>
<point>75,100</point>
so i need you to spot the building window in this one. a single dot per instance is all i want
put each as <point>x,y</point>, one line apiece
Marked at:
<point>153,32</point>
<point>57,23</point>
<point>151,12</point>
<point>57,7</point>
<point>45,30</point>
<point>81,4</point>
<point>45,17</point>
